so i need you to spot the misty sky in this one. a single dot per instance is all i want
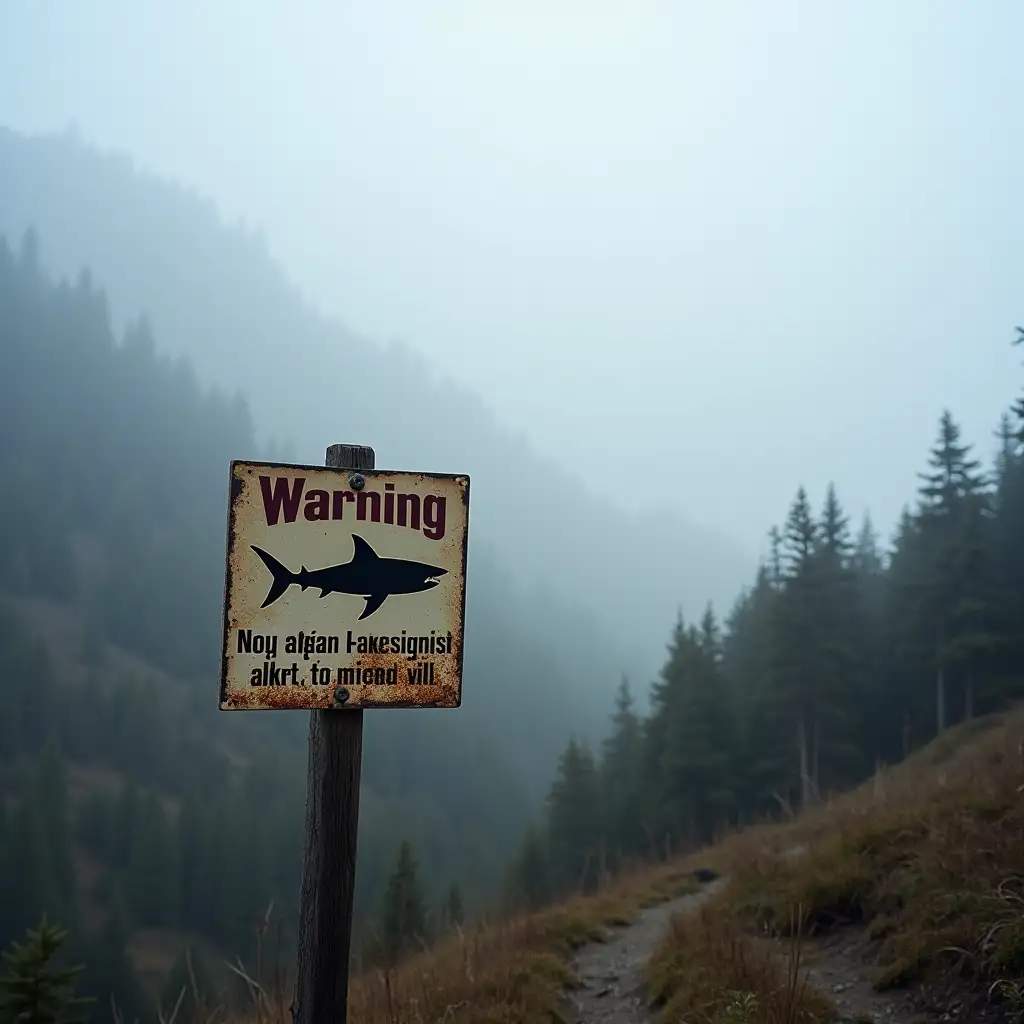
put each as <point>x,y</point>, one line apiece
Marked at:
<point>739,246</point>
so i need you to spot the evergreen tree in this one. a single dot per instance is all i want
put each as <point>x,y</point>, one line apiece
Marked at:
<point>404,913</point>
<point>529,884</point>
<point>748,649</point>
<point>32,991</point>
<point>575,821</point>
<point>954,612</point>
<point>691,737</point>
<point>621,760</point>
<point>839,647</point>
<point>795,663</point>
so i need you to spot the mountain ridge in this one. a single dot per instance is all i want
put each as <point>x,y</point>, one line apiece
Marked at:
<point>214,293</point>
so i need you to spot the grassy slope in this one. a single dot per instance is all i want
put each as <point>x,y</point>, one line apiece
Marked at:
<point>929,856</point>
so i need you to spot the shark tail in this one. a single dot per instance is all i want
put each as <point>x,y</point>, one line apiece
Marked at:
<point>283,576</point>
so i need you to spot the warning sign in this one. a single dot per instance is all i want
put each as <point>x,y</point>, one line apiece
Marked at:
<point>343,588</point>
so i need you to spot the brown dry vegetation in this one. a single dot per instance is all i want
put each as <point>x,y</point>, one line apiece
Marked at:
<point>516,971</point>
<point>513,971</point>
<point>928,857</point>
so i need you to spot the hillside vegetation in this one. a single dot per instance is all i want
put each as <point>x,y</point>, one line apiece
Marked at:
<point>133,811</point>
<point>844,654</point>
<point>924,862</point>
<point>924,856</point>
<point>145,821</point>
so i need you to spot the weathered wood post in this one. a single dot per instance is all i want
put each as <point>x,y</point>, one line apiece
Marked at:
<point>298,634</point>
<point>332,828</point>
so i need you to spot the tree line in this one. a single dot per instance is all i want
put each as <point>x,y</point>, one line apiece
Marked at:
<point>841,655</point>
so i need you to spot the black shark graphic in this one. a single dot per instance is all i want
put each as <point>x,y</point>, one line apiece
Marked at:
<point>366,575</point>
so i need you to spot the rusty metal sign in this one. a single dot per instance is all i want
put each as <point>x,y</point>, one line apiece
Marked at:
<point>343,588</point>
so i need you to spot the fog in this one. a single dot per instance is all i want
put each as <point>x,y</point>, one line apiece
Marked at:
<point>642,270</point>
<point>736,246</point>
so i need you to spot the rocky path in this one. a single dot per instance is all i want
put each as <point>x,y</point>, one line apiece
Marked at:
<point>612,977</point>
<point>612,973</point>
<point>841,967</point>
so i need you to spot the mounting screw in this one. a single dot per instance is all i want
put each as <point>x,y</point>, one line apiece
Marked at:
<point>357,481</point>
<point>341,695</point>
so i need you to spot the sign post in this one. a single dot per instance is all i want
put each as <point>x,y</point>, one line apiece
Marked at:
<point>306,629</point>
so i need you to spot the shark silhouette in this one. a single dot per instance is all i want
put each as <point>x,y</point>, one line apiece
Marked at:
<point>366,575</point>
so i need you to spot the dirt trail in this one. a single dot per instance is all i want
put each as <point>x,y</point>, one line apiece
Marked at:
<point>841,967</point>
<point>612,973</point>
<point>612,977</point>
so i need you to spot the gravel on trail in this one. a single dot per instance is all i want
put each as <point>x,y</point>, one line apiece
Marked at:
<point>612,974</point>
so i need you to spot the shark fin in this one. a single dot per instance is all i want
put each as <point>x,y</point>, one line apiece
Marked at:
<point>363,551</point>
<point>373,602</point>
<point>283,577</point>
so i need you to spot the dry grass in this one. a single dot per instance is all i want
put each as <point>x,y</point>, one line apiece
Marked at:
<point>708,972</point>
<point>513,971</point>
<point>929,856</point>
<point>516,971</point>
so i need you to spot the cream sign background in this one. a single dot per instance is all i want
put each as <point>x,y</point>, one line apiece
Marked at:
<point>392,550</point>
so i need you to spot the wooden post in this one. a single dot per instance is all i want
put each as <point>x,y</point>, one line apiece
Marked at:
<point>332,825</point>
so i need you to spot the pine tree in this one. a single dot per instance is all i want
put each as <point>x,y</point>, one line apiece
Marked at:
<point>575,821</point>
<point>34,992</point>
<point>748,649</point>
<point>1018,406</point>
<point>529,883</point>
<point>1005,680</point>
<point>1008,452</point>
<point>794,664</point>
<point>878,727</point>
<point>690,737</point>
<point>404,914</point>
<point>953,508</point>
<point>838,646</point>
<point>621,755</point>
<point>799,537</point>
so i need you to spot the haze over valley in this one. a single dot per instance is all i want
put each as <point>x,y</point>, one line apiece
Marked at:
<point>713,303</point>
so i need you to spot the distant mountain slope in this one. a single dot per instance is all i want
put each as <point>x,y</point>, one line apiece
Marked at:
<point>111,553</point>
<point>214,294</point>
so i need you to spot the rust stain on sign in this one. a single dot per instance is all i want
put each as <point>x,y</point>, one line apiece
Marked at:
<point>341,595</point>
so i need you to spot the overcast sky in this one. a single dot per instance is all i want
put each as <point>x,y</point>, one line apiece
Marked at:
<point>742,246</point>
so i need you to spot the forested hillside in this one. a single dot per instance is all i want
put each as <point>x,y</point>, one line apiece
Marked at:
<point>214,294</point>
<point>842,654</point>
<point>132,809</point>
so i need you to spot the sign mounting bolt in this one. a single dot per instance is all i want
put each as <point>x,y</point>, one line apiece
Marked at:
<point>357,481</point>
